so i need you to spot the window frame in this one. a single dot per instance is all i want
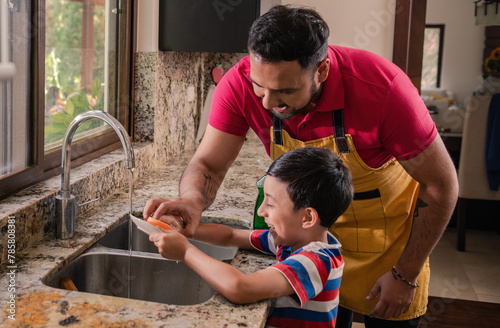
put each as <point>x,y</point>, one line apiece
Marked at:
<point>409,25</point>
<point>440,27</point>
<point>43,166</point>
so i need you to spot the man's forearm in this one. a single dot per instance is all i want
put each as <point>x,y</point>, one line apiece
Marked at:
<point>431,217</point>
<point>198,184</point>
<point>206,170</point>
<point>438,194</point>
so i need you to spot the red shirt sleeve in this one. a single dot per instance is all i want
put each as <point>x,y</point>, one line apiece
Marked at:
<point>406,127</point>
<point>228,103</point>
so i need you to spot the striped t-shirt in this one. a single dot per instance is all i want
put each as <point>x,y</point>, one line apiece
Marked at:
<point>314,272</point>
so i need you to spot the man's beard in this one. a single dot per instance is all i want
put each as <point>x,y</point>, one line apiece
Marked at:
<point>291,112</point>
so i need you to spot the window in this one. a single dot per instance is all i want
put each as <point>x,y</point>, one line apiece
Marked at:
<point>71,56</point>
<point>433,56</point>
<point>15,93</point>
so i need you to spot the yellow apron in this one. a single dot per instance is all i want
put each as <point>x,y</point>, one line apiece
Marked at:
<point>376,227</point>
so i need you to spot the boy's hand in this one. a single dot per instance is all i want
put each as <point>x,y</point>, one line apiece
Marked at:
<point>171,244</point>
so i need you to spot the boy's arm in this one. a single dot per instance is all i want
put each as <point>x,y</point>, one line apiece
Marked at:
<point>236,286</point>
<point>221,235</point>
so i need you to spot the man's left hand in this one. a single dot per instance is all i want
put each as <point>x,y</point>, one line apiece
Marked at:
<point>395,297</point>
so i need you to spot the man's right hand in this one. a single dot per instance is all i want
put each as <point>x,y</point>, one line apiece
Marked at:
<point>185,208</point>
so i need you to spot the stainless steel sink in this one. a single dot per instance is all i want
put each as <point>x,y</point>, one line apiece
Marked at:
<point>105,269</point>
<point>151,279</point>
<point>118,239</point>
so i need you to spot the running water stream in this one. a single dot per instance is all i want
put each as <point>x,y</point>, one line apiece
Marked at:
<point>131,189</point>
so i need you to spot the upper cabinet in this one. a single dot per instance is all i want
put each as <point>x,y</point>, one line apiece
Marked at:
<point>207,26</point>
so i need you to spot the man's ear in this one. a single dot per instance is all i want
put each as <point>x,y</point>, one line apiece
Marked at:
<point>310,218</point>
<point>323,70</point>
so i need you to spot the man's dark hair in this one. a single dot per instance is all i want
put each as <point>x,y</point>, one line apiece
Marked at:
<point>316,178</point>
<point>285,34</point>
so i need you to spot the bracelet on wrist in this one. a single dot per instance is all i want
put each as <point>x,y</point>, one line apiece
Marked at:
<point>396,276</point>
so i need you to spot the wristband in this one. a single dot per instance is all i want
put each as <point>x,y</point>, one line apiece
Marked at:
<point>396,275</point>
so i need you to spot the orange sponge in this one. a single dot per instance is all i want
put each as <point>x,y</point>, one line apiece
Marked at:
<point>159,224</point>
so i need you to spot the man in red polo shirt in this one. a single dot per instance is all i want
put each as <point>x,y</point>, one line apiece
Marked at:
<point>295,91</point>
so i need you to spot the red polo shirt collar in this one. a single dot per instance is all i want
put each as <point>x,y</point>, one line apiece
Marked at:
<point>333,88</point>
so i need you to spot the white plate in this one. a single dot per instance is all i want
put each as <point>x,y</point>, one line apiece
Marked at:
<point>144,226</point>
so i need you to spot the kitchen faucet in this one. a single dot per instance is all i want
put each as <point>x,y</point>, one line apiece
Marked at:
<point>66,203</point>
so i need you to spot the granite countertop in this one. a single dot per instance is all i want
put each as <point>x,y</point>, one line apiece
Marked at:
<point>38,305</point>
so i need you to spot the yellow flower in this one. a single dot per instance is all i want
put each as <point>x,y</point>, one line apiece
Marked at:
<point>495,54</point>
<point>492,63</point>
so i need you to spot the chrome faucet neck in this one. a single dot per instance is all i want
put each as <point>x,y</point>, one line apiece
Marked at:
<point>67,207</point>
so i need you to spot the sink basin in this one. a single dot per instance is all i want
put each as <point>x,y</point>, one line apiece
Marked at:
<point>104,269</point>
<point>118,239</point>
<point>152,279</point>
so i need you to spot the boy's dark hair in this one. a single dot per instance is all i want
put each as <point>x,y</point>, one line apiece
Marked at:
<point>316,178</point>
<point>286,34</point>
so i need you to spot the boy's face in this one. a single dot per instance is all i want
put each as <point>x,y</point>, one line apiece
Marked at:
<point>285,225</point>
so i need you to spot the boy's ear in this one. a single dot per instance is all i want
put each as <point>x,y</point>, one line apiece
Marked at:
<point>310,218</point>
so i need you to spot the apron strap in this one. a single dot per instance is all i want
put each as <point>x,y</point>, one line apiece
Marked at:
<point>338,130</point>
<point>278,135</point>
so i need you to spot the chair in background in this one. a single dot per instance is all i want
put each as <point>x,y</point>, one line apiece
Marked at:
<point>472,177</point>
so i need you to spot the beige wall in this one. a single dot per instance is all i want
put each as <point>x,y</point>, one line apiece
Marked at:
<point>369,25</point>
<point>363,24</point>
<point>146,22</point>
<point>463,46</point>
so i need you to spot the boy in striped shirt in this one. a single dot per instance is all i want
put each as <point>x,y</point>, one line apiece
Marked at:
<point>306,190</point>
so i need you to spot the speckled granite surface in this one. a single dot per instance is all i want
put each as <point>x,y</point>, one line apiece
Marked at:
<point>170,89</point>
<point>34,207</point>
<point>40,306</point>
<point>181,83</point>
<point>174,124</point>
<point>144,95</point>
